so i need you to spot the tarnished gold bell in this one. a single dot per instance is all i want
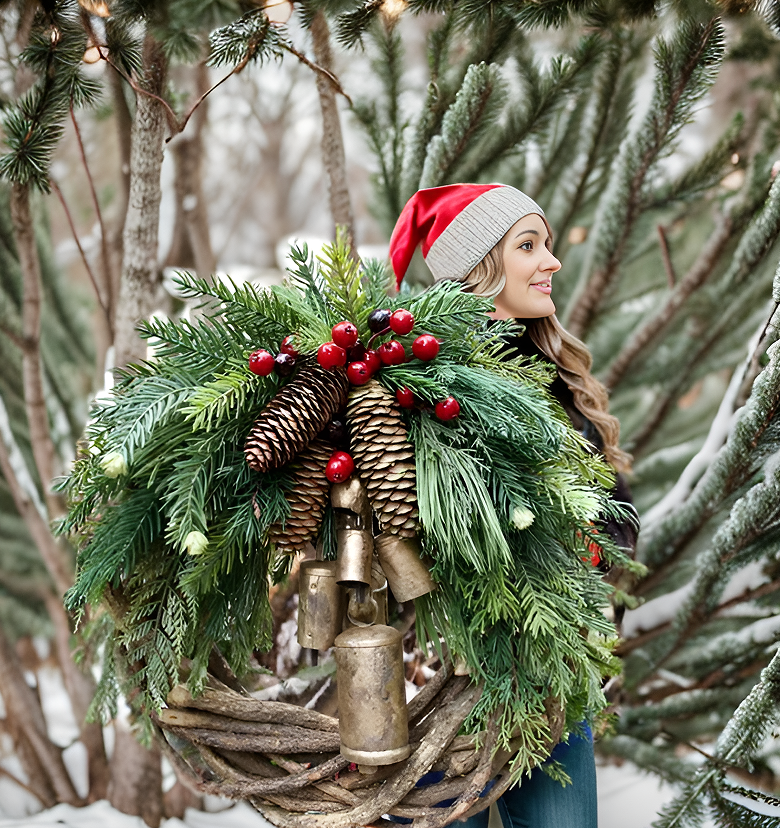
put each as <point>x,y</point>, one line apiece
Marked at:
<point>351,495</point>
<point>364,608</point>
<point>320,605</point>
<point>401,561</point>
<point>355,550</point>
<point>373,722</point>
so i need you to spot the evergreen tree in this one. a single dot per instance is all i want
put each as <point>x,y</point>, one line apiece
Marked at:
<point>674,274</point>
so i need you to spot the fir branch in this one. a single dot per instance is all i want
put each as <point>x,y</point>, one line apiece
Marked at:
<point>544,93</point>
<point>685,69</point>
<point>469,116</point>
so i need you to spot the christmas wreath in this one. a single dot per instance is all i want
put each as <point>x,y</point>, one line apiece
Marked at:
<point>207,469</point>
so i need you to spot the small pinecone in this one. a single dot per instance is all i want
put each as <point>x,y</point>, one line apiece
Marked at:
<point>383,457</point>
<point>295,416</point>
<point>307,498</point>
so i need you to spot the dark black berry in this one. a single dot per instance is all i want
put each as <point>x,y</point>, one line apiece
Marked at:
<point>336,432</point>
<point>378,320</point>
<point>284,364</point>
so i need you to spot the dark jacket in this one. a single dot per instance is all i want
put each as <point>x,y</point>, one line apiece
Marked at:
<point>624,533</point>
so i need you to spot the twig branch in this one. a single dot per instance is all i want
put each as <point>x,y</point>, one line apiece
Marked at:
<point>43,449</point>
<point>108,301</point>
<point>90,272</point>
<point>15,779</point>
<point>328,75</point>
<point>671,277</point>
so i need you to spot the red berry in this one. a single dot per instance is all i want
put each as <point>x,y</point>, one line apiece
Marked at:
<point>372,361</point>
<point>331,355</point>
<point>425,347</point>
<point>345,334</point>
<point>287,346</point>
<point>401,322</point>
<point>405,397</point>
<point>447,409</point>
<point>392,353</point>
<point>261,363</point>
<point>340,467</point>
<point>358,373</point>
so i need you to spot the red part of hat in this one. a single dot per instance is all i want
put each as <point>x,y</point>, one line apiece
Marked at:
<point>425,217</point>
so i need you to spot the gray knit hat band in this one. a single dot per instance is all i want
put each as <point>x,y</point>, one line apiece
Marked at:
<point>476,230</point>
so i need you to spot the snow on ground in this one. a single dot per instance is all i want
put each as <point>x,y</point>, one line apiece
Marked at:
<point>627,799</point>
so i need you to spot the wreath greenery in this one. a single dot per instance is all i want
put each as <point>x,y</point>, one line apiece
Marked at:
<point>172,526</point>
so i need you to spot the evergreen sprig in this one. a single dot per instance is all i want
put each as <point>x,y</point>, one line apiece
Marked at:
<point>173,526</point>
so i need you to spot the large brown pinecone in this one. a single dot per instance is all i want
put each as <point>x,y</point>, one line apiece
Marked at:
<point>295,416</point>
<point>307,498</point>
<point>383,457</point>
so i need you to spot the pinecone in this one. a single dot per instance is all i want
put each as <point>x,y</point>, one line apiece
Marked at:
<point>383,457</point>
<point>295,416</point>
<point>307,498</point>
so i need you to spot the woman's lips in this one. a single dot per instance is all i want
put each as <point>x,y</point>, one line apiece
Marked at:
<point>544,287</point>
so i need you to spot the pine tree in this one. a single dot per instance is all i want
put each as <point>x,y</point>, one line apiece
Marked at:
<point>669,276</point>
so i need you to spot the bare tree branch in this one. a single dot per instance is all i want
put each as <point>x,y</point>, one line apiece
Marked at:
<point>108,281</point>
<point>32,369</point>
<point>91,273</point>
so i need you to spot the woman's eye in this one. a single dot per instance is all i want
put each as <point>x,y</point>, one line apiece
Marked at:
<point>527,245</point>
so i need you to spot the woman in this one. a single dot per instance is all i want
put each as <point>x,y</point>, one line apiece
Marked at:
<point>496,241</point>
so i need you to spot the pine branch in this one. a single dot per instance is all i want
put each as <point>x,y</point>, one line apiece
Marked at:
<point>656,326</point>
<point>465,120</point>
<point>544,94</point>
<point>730,468</point>
<point>684,72</point>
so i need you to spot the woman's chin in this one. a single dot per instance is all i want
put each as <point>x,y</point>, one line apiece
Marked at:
<point>539,308</point>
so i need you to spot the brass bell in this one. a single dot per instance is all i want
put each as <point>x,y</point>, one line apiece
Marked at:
<point>350,495</point>
<point>355,546</point>
<point>320,605</point>
<point>406,572</point>
<point>364,608</point>
<point>373,722</point>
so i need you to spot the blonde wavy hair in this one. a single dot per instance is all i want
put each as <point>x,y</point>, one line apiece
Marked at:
<point>570,356</point>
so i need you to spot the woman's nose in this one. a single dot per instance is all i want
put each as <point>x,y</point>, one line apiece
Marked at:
<point>552,264</point>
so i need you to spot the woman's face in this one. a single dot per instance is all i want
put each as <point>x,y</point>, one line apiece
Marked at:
<point>529,265</point>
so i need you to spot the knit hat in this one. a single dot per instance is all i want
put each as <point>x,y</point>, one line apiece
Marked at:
<point>457,226</point>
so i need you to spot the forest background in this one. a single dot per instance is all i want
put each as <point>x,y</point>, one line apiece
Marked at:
<point>648,131</point>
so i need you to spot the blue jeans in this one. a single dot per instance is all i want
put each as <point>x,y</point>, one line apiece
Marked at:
<point>541,802</point>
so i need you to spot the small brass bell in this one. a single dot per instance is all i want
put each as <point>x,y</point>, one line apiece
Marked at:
<point>320,605</point>
<point>364,608</point>
<point>350,495</point>
<point>406,572</point>
<point>373,722</point>
<point>355,545</point>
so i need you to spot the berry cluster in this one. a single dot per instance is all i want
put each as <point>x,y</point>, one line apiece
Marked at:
<point>262,362</point>
<point>363,362</point>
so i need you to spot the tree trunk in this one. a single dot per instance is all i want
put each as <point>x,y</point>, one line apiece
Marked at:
<point>140,271</point>
<point>41,759</point>
<point>136,778</point>
<point>80,687</point>
<point>333,156</point>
